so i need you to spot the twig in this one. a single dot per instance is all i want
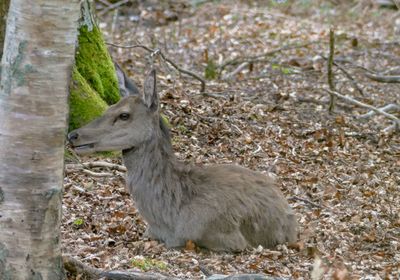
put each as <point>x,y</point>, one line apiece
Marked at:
<point>83,167</point>
<point>97,174</point>
<point>76,267</point>
<point>229,76</point>
<point>214,95</point>
<point>389,107</point>
<point>256,58</point>
<point>113,6</point>
<point>105,165</point>
<point>330,72</point>
<point>173,64</point>
<point>347,74</point>
<point>105,2</point>
<point>305,200</point>
<point>383,79</point>
<point>396,121</point>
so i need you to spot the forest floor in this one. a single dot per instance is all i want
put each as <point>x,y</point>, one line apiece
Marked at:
<point>340,172</point>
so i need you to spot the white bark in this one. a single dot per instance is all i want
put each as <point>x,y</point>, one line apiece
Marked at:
<point>36,64</point>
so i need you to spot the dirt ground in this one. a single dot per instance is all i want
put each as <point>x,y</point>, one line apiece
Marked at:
<point>340,172</point>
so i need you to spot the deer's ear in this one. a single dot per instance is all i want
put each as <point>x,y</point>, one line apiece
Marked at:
<point>126,86</point>
<point>150,96</point>
<point>121,80</point>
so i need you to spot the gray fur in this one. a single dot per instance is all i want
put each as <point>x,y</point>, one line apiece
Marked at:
<point>220,207</point>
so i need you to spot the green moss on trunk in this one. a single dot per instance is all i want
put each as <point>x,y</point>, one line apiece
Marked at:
<point>95,64</point>
<point>94,81</point>
<point>85,103</point>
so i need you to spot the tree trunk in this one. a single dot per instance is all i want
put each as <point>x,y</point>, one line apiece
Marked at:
<point>38,55</point>
<point>3,16</point>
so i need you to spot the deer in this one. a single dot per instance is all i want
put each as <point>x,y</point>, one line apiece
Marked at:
<point>221,207</point>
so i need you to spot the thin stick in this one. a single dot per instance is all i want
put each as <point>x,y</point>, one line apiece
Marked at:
<point>387,108</point>
<point>105,2</point>
<point>261,57</point>
<point>383,79</point>
<point>330,72</point>
<point>347,74</point>
<point>173,64</point>
<point>395,120</point>
<point>97,174</point>
<point>236,71</point>
<point>113,6</point>
<point>304,200</point>
<point>104,164</point>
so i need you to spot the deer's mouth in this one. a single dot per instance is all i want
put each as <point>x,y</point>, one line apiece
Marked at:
<point>84,147</point>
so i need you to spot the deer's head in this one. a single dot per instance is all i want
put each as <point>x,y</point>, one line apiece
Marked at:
<point>127,124</point>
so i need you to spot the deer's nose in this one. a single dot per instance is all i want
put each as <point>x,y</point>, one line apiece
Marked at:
<point>73,136</point>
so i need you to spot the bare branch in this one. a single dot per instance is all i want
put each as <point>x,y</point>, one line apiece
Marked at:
<point>112,6</point>
<point>173,64</point>
<point>84,168</point>
<point>261,57</point>
<point>304,200</point>
<point>387,108</point>
<point>396,121</point>
<point>383,79</point>
<point>105,2</point>
<point>229,76</point>
<point>104,164</point>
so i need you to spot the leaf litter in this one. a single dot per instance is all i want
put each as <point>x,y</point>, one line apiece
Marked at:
<point>340,174</point>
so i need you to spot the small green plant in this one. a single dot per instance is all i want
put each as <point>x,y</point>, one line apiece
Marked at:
<point>164,118</point>
<point>183,129</point>
<point>78,222</point>
<point>284,70</point>
<point>148,264</point>
<point>211,72</point>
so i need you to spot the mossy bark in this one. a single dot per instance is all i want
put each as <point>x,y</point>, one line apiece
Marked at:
<point>85,103</point>
<point>94,63</point>
<point>94,82</point>
<point>3,17</point>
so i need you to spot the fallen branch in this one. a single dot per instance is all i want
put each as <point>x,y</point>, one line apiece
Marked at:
<point>229,76</point>
<point>76,267</point>
<point>97,174</point>
<point>305,200</point>
<point>84,168</point>
<point>173,64</point>
<point>104,2</point>
<point>104,164</point>
<point>383,79</point>
<point>396,121</point>
<point>387,108</point>
<point>260,57</point>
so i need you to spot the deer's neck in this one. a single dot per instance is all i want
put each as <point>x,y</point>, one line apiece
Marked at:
<point>157,181</point>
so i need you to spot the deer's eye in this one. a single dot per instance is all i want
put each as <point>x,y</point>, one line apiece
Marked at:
<point>124,116</point>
